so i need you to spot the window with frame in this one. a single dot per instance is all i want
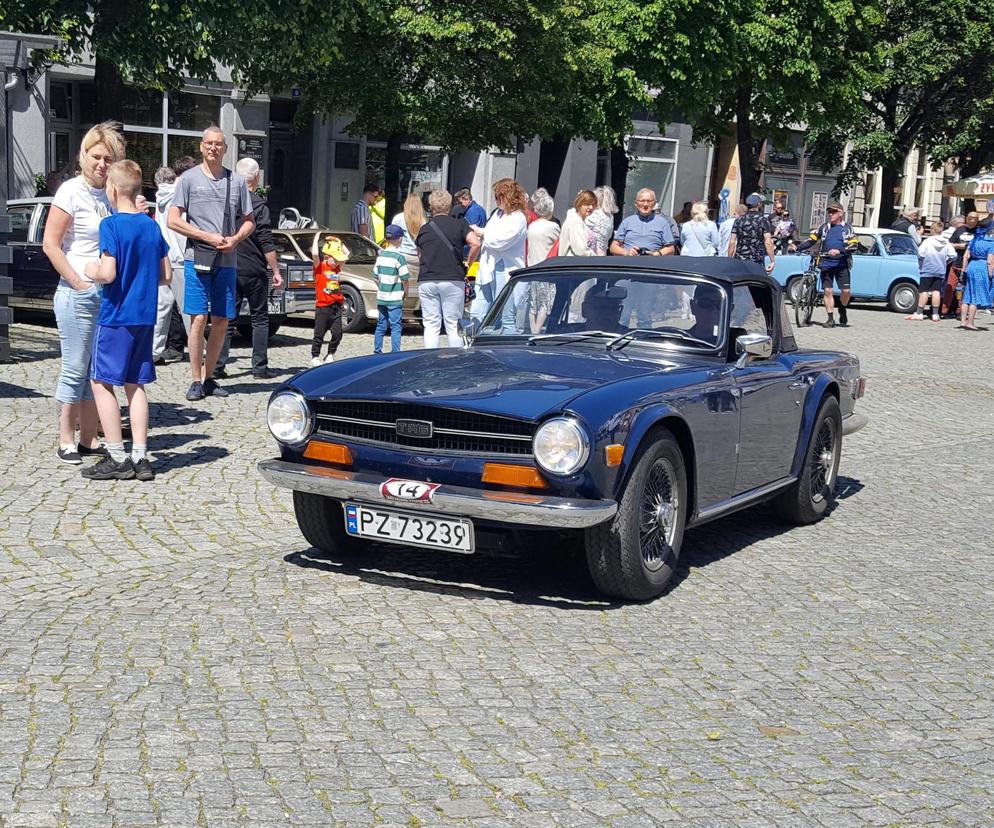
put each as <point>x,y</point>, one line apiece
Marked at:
<point>752,309</point>
<point>20,223</point>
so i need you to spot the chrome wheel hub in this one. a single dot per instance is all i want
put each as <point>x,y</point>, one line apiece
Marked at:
<point>658,514</point>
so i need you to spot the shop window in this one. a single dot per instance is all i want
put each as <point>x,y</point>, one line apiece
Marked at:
<point>60,101</point>
<point>346,155</point>
<point>141,107</point>
<point>145,149</point>
<point>652,166</point>
<point>180,145</point>
<point>420,169</point>
<point>188,110</point>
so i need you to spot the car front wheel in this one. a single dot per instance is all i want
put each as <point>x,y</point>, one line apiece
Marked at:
<point>633,556</point>
<point>807,500</point>
<point>322,523</point>
<point>354,311</point>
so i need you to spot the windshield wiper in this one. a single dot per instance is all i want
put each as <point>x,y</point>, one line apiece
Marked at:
<point>567,336</point>
<point>620,342</point>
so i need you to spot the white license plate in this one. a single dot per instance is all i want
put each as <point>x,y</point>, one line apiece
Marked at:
<point>408,528</point>
<point>276,303</point>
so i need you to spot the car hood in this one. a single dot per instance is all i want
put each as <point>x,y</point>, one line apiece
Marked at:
<point>516,381</point>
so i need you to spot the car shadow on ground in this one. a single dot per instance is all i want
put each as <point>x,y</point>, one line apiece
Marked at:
<point>10,391</point>
<point>166,460</point>
<point>166,414</point>
<point>556,578</point>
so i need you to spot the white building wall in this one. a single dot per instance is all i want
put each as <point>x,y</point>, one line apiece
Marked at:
<point>29,145</point>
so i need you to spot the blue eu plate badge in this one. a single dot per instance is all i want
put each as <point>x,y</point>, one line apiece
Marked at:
<point>352,519</point>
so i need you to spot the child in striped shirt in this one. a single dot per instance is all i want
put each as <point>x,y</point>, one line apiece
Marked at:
<point>391,274</point>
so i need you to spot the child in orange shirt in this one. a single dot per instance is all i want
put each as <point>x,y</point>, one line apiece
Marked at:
<point>328,299</point>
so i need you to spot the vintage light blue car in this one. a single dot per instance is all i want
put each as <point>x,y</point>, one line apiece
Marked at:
<point>885,266</point>
<point>620,400</point>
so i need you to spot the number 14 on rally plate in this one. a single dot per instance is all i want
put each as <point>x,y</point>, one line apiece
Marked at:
<point>410,490</point>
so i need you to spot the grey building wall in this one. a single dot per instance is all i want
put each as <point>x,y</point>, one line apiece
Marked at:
<point>28,110</point>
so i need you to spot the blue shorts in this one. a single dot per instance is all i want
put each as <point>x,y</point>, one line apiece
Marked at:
<point>123,356</point>
<point>209,292</point>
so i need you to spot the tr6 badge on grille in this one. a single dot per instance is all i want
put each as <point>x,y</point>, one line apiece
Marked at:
<point>410,490</point>
<point>422,429</point>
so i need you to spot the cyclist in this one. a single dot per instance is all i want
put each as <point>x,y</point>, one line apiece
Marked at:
<point>838,243</point>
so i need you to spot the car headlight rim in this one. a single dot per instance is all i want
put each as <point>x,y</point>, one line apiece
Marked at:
<point>561,446</point>
<point>289,418</point>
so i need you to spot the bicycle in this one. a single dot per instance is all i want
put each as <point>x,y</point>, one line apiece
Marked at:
<point>807,292</point>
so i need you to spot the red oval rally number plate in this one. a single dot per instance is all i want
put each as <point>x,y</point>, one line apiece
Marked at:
<point>409,490</point>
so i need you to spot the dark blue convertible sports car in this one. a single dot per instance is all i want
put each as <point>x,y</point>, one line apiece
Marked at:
<point>623,399</point>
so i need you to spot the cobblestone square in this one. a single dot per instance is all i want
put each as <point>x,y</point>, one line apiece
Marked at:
<point>173,653</point>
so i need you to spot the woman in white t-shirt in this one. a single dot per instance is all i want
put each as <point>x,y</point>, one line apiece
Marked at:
<point>411,220</point>
<point>72,239</point>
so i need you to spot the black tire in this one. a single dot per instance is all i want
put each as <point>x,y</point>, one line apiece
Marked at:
<point>629,557</point>
<point>807,500</point>
<point>903,297</point>
<point>793,286</point>
<point>244,329</point>
<point>808,302</point>
<point>322,523</point>
<point>354,311</point>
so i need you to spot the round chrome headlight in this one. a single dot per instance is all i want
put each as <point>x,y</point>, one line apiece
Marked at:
<point>289,418</point>
<point>560,446</point>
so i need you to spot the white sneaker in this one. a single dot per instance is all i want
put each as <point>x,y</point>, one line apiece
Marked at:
<point>329,358</point>
<point>316,361</point>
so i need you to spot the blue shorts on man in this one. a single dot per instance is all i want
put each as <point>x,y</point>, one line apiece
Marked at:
<point>212,292</point>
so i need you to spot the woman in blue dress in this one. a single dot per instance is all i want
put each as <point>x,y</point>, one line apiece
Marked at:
<point>978,264</point>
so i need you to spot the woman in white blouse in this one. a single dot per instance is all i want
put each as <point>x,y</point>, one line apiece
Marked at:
<point>72,239</point>
<point>576,238</point>
<point>503,248</point>
<point>601,220</point>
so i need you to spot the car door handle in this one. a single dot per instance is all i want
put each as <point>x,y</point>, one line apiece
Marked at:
<point>797,386</point>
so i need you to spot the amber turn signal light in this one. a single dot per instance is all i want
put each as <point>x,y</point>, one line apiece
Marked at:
<point>328,452</point>
<point>505,474</point>
<point>613,454</point>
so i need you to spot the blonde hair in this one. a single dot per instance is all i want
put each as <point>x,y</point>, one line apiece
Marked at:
<point>414,214</point>
<point>439,201</point>
<point>512,194</point>
<point>107,133</point>
<point>126,176</point>
<point>606,199</point>
<point>584,198</point>
<point>699,212</point>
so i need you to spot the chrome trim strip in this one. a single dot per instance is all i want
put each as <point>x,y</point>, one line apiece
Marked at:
<point>853,423</point>
<point>535,510</point>
<point>380,424</point>
<point>737,502</point>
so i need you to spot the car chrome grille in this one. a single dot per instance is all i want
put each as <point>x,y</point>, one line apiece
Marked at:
<point>451,430</point>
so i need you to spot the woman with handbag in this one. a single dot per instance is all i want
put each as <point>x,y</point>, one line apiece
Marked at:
<point>72,240</point>
<point>442,274</point>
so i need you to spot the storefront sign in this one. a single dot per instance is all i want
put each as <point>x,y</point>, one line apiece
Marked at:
<point>819,204</point>
<point>252,147</point>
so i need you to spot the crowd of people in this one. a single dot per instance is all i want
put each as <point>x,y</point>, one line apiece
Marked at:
<point>135,292</point>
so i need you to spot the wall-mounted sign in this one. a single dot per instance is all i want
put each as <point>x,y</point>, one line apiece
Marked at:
<point>250,146</point>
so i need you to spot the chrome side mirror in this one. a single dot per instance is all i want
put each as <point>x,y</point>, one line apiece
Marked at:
<point>753,346</point>
<point>470,328</point>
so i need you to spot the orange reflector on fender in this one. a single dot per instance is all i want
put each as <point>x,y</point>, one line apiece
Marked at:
<point>506,474</point>
<point>613,454</point>
<point>328,452</point>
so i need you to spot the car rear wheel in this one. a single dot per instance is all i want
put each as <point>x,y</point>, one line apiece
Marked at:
<point>633,556</point>
<point>794,288</point>
<point>807,500</point>
<point>903,297</point>
<point>322,523</point>
<point>354,312</point>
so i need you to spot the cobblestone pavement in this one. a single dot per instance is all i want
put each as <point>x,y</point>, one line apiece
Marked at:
<point>174,654</point>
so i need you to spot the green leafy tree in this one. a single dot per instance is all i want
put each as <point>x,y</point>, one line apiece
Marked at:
<point>761,66</point>
<point>925,79</point>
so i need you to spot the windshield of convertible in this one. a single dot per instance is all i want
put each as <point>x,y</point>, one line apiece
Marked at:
<point>616,309</point>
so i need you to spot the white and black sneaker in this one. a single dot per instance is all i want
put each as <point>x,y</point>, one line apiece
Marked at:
<point>69,456</point>
<point>109,469</point>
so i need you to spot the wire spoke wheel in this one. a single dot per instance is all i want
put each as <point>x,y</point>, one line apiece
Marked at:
<point>822,460</point>
<point>658,512</point>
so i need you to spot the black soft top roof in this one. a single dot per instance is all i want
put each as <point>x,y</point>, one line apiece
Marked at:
<point>719,268</point>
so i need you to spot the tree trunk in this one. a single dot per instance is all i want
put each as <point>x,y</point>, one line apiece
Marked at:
<point>619,179</point>
<point>391,177</point>
<point>748,167</point>
<point>968,168</point>
<point>890,174</point>
<point>551,158</point>
<point>108,90</point>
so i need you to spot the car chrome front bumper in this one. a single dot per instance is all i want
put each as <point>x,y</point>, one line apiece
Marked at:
<point>535,510</point>
<point>853,423</point>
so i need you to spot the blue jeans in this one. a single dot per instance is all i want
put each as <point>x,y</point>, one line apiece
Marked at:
<point>391,317</point>
<point>76,313</point>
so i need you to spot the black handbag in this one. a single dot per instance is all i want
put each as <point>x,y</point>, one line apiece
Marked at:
<point>205,256</point>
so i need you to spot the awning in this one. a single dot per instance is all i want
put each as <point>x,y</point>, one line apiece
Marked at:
<point>978,186</point>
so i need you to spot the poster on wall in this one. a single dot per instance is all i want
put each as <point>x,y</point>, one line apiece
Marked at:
<point>251,147</point>
<point>819,203</point>
<point>781,196</point>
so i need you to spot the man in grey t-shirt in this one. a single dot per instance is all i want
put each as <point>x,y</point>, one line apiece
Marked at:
<point>218,217</point>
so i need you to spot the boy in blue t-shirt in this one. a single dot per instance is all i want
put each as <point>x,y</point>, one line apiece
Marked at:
<point>134,261</point>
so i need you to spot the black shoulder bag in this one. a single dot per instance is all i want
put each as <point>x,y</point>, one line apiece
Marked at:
<point>205,255</point>
<point>468,287</point>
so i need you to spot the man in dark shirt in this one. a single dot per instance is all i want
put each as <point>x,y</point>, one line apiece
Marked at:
<point>837,245</point>
<point>752,235</point>
<point>256,260</point>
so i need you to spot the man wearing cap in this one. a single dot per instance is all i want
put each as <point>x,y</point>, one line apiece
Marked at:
<point>391,274</point>
<point>752,235</point>
<point>838,243</point>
